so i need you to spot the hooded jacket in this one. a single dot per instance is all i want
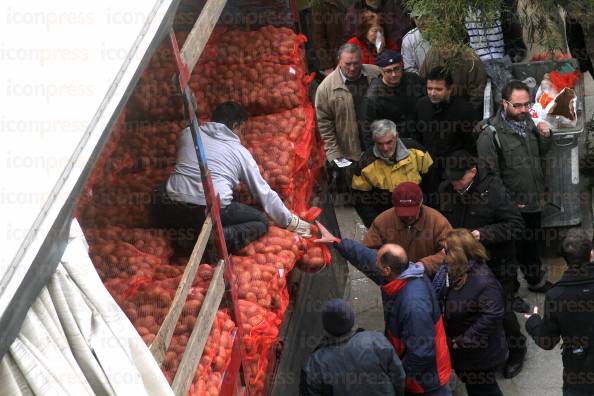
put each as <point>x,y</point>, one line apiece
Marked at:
<point>229,163</point>
<point>363,362</point>
<point>408,163</point>
<point>569,316</point>
<point>413,319</point>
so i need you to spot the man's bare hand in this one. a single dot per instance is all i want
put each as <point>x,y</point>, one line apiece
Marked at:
<point>544,129</point>
<point>476,234</point>
<point>520,206</point>
<point>327,236</point>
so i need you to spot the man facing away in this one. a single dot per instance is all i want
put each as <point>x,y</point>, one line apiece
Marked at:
<point>569,316</point>
<point>351,362</point>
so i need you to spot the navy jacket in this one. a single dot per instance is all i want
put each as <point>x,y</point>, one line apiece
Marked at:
<point>473,317</point>
<point>363,363</point>
<point>413,319</point>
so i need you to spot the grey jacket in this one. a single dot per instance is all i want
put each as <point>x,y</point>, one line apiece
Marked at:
<point>229,163</point>
<point>363,363</point>
<point>516,160</point>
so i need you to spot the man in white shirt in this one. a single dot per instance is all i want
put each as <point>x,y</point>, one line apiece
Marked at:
<point>414,46</point>
<point>181,202</point>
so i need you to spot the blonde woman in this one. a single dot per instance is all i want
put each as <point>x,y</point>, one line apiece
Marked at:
<point>473,315</point>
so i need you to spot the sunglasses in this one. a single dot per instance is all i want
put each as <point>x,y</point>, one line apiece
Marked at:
<point>527,105</point>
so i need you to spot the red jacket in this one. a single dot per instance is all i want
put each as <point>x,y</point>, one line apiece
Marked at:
<point>414,325</point>
<point>367,50</point>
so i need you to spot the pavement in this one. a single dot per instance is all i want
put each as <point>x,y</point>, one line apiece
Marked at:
<point>542,369</point>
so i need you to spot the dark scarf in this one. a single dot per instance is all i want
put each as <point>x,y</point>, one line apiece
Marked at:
<point>519,127</point>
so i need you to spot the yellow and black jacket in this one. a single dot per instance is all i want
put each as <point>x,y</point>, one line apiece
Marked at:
<point>409,162</point>
<point>376,177</point>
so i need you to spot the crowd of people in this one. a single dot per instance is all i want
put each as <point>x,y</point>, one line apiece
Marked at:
<point>452,204</point>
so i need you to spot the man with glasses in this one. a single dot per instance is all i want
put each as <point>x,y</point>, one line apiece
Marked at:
<point>512,146</point>
<point>391,96</point>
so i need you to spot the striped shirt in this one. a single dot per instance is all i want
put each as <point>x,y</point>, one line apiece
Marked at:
<point>485,39</point>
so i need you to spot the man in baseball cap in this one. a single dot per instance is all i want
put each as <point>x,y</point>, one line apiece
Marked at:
<point>477,200</point>
<point>419,229</point>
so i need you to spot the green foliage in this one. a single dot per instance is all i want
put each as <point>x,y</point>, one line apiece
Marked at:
<point>443,21</point>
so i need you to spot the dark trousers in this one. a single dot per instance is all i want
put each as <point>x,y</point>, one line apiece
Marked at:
<point>430,184</point>
<point>480,383</point>
<point>241,223</point>
<point>516,341</point>
<point>573,392</point>
<point>528,248</point>
<point>370,204</point>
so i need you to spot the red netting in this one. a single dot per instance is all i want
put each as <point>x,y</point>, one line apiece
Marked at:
<point>282,144</point>
<point>146,145</point>
<point>238,46</point>
<point>262,87</point>
<point>152,241</point>
<point>216,357</point>
<point>118,259</point>
<point>260,335</point>
<point>125,201</point>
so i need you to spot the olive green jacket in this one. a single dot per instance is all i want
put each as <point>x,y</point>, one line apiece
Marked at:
<point>516,160</point>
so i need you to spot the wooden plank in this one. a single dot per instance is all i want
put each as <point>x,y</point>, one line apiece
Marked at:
<point>197,342</point>
<point>200,33</point>
<point>163,338</point>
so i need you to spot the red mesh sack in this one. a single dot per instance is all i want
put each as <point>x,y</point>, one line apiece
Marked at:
<point>216,357</point>
<point>146,240</point>
<point>267,44</point>
<point>261,88</point>
<point>281,145</point>
<point>126,201</point>
<point>147,145</point>
<point>145,302</point>
<point>260,336</point>
<point>316,256</point>
<point>258,283</point>
<point>155,96</point>
<point>99,173</point>
<point>308,175</point>
<point>118,259</point>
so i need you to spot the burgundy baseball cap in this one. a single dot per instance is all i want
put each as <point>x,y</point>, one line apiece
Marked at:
<point>407,198</point>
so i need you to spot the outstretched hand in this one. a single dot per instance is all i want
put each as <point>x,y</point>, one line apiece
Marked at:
<point>327,236</point>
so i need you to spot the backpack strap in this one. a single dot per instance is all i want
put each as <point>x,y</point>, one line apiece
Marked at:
<point>495,137</point>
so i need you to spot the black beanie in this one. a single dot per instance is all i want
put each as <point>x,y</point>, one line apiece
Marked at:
<point>338,317</point>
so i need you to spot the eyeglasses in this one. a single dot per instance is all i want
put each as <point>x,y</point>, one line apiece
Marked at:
<point>527,105</point>
<point>394,70</point>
